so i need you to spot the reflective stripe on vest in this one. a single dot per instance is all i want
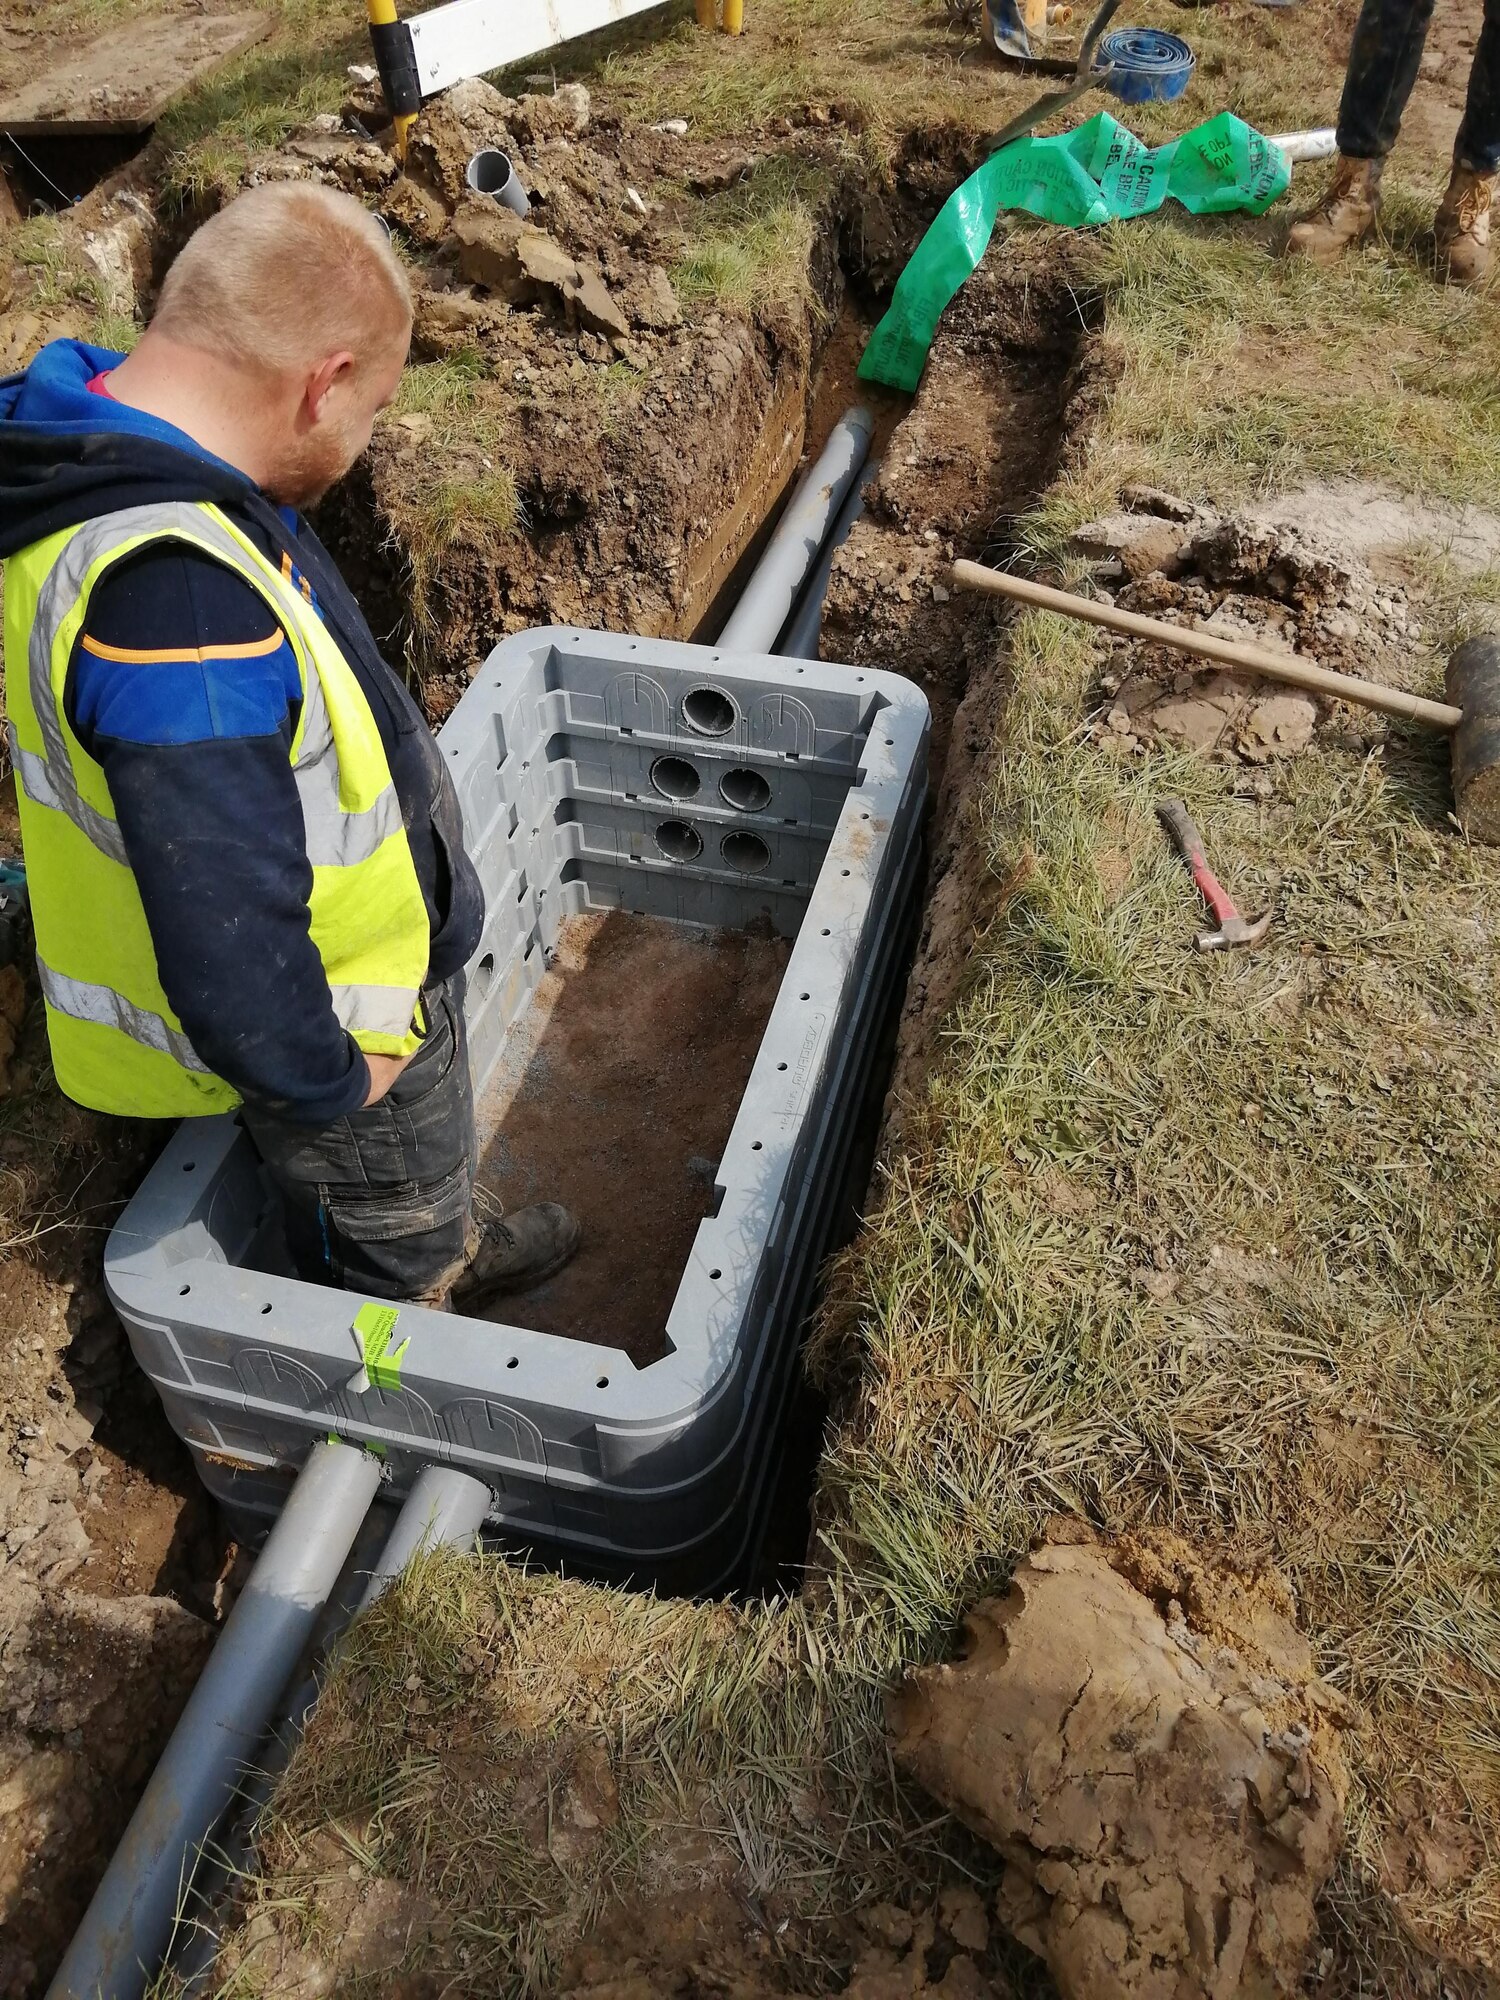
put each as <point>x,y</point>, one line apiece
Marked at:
<point>380,1010</point>
<point>36,775</point>
<point>336,838</point>
<point>108,1009</point>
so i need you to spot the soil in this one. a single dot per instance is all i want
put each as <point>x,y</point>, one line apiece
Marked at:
<point>648,443</point>
<point>1282,577</point>
<point>618,1102</point>
<point>972,452</point>
<point>1010,381</point>
<point>1147,1744</point>
<point>1436,108</point>
<point>111,1554</point>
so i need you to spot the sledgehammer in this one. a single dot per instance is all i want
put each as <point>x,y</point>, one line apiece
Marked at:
<point>1471,715</point>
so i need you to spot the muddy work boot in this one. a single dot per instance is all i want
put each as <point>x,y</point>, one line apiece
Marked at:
<point>1345,216</point>
<point>514,1252</point>
<point>1462,229</point>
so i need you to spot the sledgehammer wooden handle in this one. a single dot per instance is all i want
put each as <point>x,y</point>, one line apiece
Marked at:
<point>1227,652</point>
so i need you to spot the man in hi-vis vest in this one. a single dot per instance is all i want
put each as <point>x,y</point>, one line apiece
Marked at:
<point>244,853</point>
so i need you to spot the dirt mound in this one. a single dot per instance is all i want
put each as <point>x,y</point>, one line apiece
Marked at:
<point>1280,584</point>
<point>680,1946</point>
<point>92,1685</point>
<point>585,437</point>
<point>1148,1745</point>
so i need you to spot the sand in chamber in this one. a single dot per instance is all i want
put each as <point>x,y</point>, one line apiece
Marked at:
<point>616,1096</point>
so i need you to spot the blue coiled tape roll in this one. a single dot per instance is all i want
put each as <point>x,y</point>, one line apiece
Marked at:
<point>1144,65</point>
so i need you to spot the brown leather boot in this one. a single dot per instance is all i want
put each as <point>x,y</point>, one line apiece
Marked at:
<point>1462,229</point>
<point>1345,216</point>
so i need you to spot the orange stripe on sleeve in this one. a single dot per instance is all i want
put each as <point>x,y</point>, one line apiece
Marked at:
<point>251,649</point>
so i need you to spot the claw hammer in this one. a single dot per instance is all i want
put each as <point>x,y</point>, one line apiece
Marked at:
<point>1233,928</point>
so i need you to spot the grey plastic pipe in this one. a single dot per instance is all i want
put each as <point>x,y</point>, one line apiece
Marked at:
<point>1319,144</point>
<point>444,1509</point>
<point>493,173</point>
<point>805,626</point>
<point>127,1926</point>
<point>756,621</point>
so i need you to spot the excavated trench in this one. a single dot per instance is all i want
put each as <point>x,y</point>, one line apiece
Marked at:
<point>644,514</point>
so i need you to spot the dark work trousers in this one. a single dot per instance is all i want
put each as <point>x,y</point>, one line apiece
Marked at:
<point>378,1202</point>
<point>1383,61</point>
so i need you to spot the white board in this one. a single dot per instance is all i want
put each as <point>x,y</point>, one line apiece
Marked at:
<point>472,37</point>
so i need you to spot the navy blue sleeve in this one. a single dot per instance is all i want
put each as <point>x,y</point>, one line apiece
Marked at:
<point>184,689</point>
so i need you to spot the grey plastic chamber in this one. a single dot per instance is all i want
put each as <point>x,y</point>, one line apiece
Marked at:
<point>715,790</point>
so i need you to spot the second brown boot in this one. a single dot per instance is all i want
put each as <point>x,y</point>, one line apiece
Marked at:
<point>1344,217</point>
<point>1462,230</point>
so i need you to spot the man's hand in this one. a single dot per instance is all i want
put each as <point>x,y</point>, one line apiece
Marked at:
<point>383,1073</point>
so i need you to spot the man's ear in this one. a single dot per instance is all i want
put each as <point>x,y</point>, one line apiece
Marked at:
<point>329,375</point>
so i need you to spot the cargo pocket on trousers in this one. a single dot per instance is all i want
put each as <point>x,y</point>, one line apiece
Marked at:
<point>397,1244</point>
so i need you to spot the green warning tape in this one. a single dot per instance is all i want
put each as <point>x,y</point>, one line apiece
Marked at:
<point>1098,173</point>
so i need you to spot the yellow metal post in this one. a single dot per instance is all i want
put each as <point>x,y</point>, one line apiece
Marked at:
<point>734,16</point>
<point>707,13</point>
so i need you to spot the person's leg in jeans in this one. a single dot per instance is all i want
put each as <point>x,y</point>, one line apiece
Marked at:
<point>1384,58</point>
<point>380,1202</point>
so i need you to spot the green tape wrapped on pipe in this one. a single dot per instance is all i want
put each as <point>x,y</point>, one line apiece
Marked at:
<point>1098,173</point>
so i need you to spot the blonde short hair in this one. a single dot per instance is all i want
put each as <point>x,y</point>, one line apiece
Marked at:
<point>282,277</point>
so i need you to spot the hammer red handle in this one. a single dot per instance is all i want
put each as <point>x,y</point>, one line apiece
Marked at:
<point>1178,821</point>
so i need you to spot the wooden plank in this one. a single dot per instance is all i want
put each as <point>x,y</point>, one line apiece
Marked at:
<point>123,81</point>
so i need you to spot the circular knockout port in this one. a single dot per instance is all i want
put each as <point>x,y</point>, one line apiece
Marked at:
<point>709,710</point>
<point>679,841</point>
<point>746,791</point>
<point>745,851</point>
<point>675,778</point>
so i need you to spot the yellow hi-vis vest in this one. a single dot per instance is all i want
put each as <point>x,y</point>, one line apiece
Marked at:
<point>116,1044</point>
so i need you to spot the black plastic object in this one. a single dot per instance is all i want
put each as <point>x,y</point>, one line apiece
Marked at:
<point>396,60</point>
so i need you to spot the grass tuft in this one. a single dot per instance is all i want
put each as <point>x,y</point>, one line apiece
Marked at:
<point>750,250</point>
<point>56,274</point>
<point>254,101</point>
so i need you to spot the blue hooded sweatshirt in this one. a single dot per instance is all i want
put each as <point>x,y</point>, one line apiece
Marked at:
<point>184,688</point>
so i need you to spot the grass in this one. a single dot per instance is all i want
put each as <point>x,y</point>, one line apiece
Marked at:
<point>55,273</point>
<point>255,100</point>
<point>750,250</point>
<point>1244,372</point>
<point>449,389</point>
<point>473,503</point>
<point>884,69</point>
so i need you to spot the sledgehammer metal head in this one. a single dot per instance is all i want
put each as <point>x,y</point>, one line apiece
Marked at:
<point>1233,928</point>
